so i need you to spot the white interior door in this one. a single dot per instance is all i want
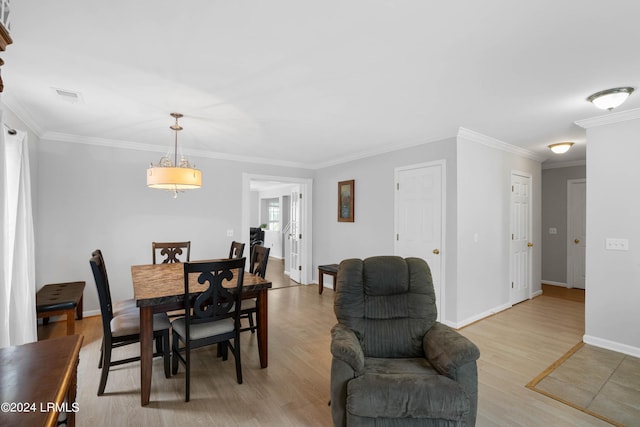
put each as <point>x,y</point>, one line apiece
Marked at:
<point>521,244</point>
<point>294,237</point>
<point>419,205</point>
<point>576,232</point>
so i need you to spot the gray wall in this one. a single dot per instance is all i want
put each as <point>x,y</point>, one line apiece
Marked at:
<point>554,214</point>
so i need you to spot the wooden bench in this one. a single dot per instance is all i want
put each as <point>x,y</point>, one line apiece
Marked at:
<point>61,299</point>
<point>331,270</point>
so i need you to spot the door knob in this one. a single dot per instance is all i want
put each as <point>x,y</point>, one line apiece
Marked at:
<point>576,241</point>
<point>530,244</point>
<point>435,251</point>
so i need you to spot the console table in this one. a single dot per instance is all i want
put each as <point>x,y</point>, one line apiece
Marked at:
<point>35,380</point>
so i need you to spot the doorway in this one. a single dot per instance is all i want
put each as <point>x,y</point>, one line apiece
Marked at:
<point>303,257</point>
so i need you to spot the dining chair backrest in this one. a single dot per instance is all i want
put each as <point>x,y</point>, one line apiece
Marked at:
<point>259,259</point>
<point>102,286</point>
<point>217,301</point>
<point>171,251</point>
<point>236,250</point>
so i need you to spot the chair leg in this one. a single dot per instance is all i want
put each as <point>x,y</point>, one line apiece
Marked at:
<point>106,363</point>
<point>159,345</point>
<point>257,315</point>
<point>176,353</point>
<point>187,365</point>
<point>101,354</point>
<point>223,349</point>
<point>236,356</point>
<point>251,325</point>
<point>166,354</point>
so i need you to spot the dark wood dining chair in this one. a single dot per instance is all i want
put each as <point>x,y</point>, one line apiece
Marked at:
<point>213,317</point>
<point>171,251</point>
<point>236,250</point>
<point>124,328</point>
<point>120,306</point>
<point>249,306</point>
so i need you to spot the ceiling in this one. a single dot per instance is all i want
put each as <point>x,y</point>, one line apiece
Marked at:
<point>314,83</point>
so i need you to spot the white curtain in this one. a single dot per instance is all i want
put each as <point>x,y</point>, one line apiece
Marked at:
<point>17,255</point>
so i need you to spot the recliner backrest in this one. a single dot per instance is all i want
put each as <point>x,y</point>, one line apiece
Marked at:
<point>388,301</point>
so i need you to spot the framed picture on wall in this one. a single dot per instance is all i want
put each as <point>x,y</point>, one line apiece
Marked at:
<point>345,201</point>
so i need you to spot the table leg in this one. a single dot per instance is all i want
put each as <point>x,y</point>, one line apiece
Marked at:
<point>146,353</point>
<point>263,335</point>
<point>320,282</point>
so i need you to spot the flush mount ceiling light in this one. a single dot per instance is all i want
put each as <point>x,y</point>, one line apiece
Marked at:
<point>560,147</point>
<point>174,176</point>
<point>610,98</point>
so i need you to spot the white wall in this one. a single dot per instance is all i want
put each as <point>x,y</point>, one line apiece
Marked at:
<point>96,197</point>
<point>613,211</point>
<point>484,193</point>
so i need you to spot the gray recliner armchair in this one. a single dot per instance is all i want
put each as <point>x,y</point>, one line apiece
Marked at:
<point>393,363</point>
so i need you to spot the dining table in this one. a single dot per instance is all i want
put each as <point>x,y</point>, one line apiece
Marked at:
<point>159,288</point>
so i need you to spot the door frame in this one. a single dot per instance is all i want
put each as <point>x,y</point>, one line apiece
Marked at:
<point>443,222</point>
<point>306,188</point>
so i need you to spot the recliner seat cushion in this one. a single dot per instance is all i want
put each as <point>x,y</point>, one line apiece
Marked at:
<point>378,395</point>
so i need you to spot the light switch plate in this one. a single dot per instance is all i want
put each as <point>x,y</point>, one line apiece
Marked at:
<point>617,244</point>
<point>229,233</point>
<point>553,230</point>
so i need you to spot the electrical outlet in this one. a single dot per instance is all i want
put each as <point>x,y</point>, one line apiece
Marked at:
<point>553,230</point>
<point>229,233</point>
<point>617,244</point>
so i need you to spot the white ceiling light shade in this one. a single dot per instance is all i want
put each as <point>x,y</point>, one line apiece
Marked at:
<point>174,176</point>
<point>610,98</point>
<point>561,147</point>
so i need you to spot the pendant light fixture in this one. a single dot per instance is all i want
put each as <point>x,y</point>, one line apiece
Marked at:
<point>174,176</point>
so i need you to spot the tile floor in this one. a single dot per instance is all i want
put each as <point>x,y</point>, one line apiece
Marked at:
<point>599,381</point>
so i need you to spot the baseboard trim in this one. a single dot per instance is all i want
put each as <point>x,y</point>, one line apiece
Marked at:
<point>473,319</point>
<point>551,282</point>
<point>611,345</point>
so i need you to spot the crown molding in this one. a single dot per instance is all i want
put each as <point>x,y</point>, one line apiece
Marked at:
<point>21,113</point>
<point>566,164</point>
<point>375,152</point>
<point>128,145</point>
<point>474,136</point>
<point>608,119</point>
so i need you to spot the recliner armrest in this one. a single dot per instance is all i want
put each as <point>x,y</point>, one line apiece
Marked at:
<point>447,350</point>
<point>346,347</point>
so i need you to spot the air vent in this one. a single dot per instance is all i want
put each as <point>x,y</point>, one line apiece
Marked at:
<point>67,95</point>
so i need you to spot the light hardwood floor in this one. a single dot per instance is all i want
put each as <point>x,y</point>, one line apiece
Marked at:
<point>516,345</point>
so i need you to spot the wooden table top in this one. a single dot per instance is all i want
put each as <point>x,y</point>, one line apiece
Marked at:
<point>37,373</point>
<point>154,283</point>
